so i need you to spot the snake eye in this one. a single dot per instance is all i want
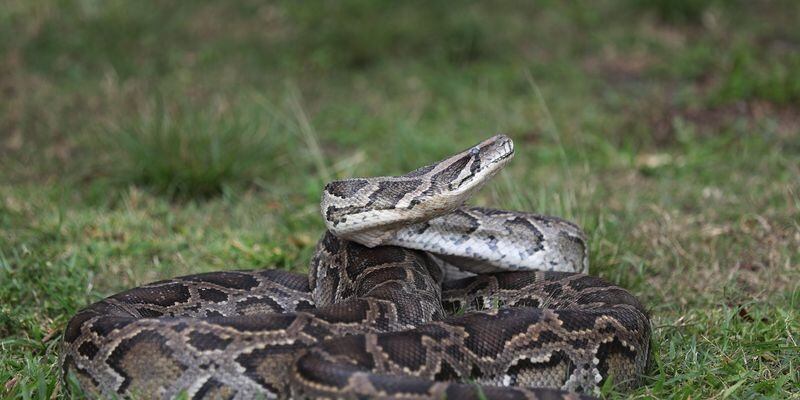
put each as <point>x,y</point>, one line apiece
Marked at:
<point>476,166</point>
<point>474,151</point>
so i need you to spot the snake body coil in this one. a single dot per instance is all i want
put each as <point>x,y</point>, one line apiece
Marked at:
<point>379,315</point>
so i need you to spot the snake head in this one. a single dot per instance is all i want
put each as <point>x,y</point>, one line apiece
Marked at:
<point>367,209</point>
<point>467,171</point>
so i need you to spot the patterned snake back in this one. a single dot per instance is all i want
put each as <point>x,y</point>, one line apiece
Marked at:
<point>380,314</point>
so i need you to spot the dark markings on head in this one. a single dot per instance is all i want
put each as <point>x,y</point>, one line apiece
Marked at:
<point>346,188</point>
<point>448,175</point>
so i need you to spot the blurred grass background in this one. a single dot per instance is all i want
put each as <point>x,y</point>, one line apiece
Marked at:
<point>143,140</point>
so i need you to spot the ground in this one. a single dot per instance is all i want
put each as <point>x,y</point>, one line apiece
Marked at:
<point>146,140</point>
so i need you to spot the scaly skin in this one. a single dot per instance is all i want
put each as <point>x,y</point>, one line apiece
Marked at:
<point>374,319</point>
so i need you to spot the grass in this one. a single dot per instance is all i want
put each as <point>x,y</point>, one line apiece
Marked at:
<point>195,154</point>
<point>142,141</point>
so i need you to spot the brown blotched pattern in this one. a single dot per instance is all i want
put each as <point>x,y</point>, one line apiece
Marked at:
<point>375,320</point>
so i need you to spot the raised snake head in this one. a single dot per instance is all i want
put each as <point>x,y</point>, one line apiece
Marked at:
<point>363,209</point>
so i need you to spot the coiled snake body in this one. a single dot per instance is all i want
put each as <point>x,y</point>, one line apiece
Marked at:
<point>376,317</point>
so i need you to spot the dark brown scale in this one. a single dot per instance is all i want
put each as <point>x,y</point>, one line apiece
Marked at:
<point>385,197</point>
<point>486,335</point>
<point>346,188</point>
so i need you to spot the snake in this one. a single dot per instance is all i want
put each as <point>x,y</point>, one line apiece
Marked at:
<point>410,294</point>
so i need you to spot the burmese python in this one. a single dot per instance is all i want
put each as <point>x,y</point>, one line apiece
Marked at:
<point>375,318</point>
